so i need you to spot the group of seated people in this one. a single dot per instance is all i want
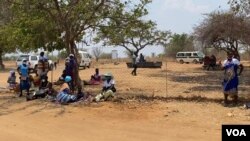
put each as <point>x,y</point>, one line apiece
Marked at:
<point>41,87</point>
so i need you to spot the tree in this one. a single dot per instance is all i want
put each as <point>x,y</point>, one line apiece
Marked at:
<point>70,20</point>
<point>240,6</point>
<point>132,33</point>
<point>179,42</point>
<point>5,19</point>
<point>63,54</point>
<point>224,31</point>
<point>97,52</point>
<point>128,53</point>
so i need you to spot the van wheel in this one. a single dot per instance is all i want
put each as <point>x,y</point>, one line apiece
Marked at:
<point>195,61</point>
<point>181,61</point>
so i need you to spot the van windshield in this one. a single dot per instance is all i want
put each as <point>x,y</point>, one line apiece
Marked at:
<point>200,54</point>
<point>20,58</point>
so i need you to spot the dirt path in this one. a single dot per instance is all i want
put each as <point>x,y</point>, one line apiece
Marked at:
<point>193,111</point>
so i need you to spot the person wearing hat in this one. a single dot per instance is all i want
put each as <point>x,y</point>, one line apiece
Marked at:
<point>12,80</point>
<point>23,71</point>
<point>108,89</point>
<point>231,81</point>
<point>64,96</point>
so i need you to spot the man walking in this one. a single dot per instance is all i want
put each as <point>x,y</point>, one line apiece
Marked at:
<point>135,61</point>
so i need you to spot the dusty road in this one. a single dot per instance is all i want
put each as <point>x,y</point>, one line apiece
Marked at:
<point>190,109</point>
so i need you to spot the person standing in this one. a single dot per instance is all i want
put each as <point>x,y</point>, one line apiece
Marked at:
<point>135,61</point>
<point>72,73</point>
<point>23,71</point>
<point>231,80</point>
<point>43,65</point>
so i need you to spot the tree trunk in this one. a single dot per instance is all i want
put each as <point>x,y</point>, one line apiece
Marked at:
<point>2,67</point>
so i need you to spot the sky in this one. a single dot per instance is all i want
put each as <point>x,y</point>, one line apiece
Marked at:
<point>177,16</point>
<point>180,16</point>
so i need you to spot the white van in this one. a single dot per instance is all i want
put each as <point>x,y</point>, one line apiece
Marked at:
<point>190,57</point>
<point>32,61</point>
<point>85,59</point>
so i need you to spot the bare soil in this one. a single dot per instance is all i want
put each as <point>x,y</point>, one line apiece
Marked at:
<point>175,103</point>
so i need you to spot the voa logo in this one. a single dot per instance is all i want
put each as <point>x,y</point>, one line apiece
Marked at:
<point>236,132</point>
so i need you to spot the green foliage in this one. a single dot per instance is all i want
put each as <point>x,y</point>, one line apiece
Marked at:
<point>240,6</point>
<point>63,54</point>
<point>128,29</point>
<point>179,42</point>
<point>128,53</point>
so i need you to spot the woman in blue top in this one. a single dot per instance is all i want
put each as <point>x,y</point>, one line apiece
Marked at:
<point>231,81</point>
<point>64,96</point>
<point>23,71</point>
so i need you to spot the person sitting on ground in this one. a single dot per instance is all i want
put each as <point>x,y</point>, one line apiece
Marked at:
<point>108,89</point>
<point>60,80</point>
<point>96,76</point>
<point>12,80</point>
<point>141,60</point>
<point>36,80</point>
<point>44,83</point>
<point>64,96</point>
<point>44,89</point>
<point>95,79</point>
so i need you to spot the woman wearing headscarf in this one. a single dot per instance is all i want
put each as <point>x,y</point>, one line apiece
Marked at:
<point>231,80</point>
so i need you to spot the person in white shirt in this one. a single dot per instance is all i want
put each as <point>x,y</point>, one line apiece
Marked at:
<point>108,89</point>
<point>231,81</point>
